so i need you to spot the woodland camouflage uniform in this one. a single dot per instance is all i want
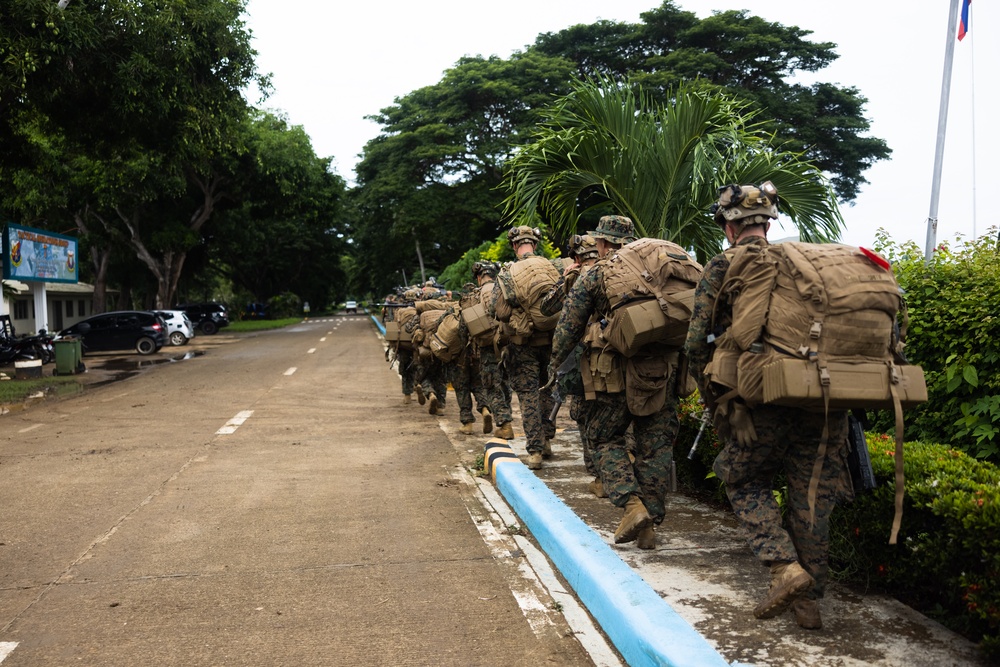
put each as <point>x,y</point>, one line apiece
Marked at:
<point>787,440</point>
<point>609,419</point>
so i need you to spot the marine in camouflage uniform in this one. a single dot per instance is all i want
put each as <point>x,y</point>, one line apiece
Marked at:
<point>639,486</point>
<point>786,439</point>
<point>583,251</point>
<point>496,389</point>
<point>403,353</point>
<point>527,361</point>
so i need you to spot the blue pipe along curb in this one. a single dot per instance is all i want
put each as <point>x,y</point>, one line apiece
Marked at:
<point>643,627</point>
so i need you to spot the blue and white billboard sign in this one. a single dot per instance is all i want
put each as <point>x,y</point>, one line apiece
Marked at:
<point>35,254</point>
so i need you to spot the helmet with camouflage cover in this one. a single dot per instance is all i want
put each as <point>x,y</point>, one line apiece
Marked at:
<point>522,233</point>
<point>614,229</point>
<point>583,247</point>
<point>746,204</point>
<point>485,268</point>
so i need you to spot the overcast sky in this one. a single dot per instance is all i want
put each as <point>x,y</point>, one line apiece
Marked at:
<point>333,63</point>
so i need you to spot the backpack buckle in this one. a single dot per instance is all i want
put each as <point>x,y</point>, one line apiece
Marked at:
<point>824,376</point>
<point>815,330</point>
<point>895,376</point>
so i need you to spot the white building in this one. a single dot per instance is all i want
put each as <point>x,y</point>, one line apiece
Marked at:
<point>50,306</point>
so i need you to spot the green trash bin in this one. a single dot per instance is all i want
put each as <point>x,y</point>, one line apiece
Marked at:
<point>69,356</point>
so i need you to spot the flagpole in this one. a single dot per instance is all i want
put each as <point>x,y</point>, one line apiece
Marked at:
<point>949,56</point>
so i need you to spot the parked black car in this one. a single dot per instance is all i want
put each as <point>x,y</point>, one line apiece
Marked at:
<point>206,317</point>
<point>137,330</point>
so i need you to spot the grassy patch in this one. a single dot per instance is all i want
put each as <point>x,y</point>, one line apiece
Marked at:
<point>260,325</point>
<point>17,391</point>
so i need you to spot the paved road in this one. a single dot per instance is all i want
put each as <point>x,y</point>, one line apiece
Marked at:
<point>269,502</point>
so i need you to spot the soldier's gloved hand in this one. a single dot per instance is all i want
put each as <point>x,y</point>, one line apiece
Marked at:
<point>741,424</point>
<point>552,380</point>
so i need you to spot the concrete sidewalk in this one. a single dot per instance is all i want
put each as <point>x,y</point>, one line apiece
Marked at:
<point>705,574</point>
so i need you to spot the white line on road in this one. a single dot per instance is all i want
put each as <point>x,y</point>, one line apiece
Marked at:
<point>291,370</point>
<point>30,428</point>
<point>6,648</point>
<point>323,339</point>
<point>310,350</point>
<point>234,423</point>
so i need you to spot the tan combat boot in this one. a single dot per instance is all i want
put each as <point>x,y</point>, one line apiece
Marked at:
<point>466,428</point>
<point>535,461</point>
<point>647,538</point>
<point>788,581</point>
<point>407,399</point>
<point>636,518</point>
<point>597,488</point>
<point>807,614</point>
<point>432,408</point>
<point>487,421</point>
<point>506,432</point>
<point>421,399</point>
<point>547,449</point>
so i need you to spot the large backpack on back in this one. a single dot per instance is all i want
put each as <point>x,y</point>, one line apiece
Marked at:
<point>815,326</point>
<point>532,278</point>
<point>650,285</point>
<point>449,337</point>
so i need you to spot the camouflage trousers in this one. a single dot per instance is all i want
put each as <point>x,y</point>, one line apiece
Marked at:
<point>527,367</point>
<point>463,373</point>
<point>788,441</point>
<point>430,375</point>
<point>404,359</point>
<point>649,475</point>
<point>579,411</point>
<point>496,391</point>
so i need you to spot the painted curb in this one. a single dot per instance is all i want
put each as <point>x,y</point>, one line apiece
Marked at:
<point>380,326</point>
<point>644,628</point>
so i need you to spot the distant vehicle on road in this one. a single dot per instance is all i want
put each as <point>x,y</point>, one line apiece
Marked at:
<point>180,329</point>
<point>351,307</point>
<point>207,317</point>
<point>139,330</point>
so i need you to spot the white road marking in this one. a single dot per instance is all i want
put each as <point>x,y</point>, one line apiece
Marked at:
<point>323,339</point>
<point>6,648</point>
<point>30,428</point>
<point>290,371</point>
<point>234,423</point>
<point>310,350</point>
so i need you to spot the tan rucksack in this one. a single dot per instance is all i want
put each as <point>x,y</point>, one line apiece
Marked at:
<point>650,285</point>
<point>532,278</point>
<point>449,337</point>
<point>815,326</point>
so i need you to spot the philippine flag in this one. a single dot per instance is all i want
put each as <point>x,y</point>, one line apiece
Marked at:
<point>963,27</point>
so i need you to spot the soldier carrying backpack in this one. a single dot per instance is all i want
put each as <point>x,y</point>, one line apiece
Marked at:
<point>636,387</point>
<point>784,338</point>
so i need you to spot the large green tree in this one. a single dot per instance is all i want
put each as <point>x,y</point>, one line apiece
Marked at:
<point>139,106</point>
<point>746,56</point>
<point>609,146</point>
<point>286,233</point>
<point>427,183</point>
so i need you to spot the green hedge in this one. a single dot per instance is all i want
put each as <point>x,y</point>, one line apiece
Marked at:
<point>947,562</point>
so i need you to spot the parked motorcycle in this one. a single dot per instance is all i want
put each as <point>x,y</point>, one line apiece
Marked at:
<point>39,346</point>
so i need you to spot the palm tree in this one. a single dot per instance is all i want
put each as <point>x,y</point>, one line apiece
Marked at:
<point>610,146</point>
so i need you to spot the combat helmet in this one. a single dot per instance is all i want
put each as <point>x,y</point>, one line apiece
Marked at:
<point>614,229</point>
<point>583,247</point>
<point>746,204</point>
<point>485,268</point>
<point>524,233</point>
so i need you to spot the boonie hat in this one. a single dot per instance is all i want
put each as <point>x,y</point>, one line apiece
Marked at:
<point>615,229</point>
